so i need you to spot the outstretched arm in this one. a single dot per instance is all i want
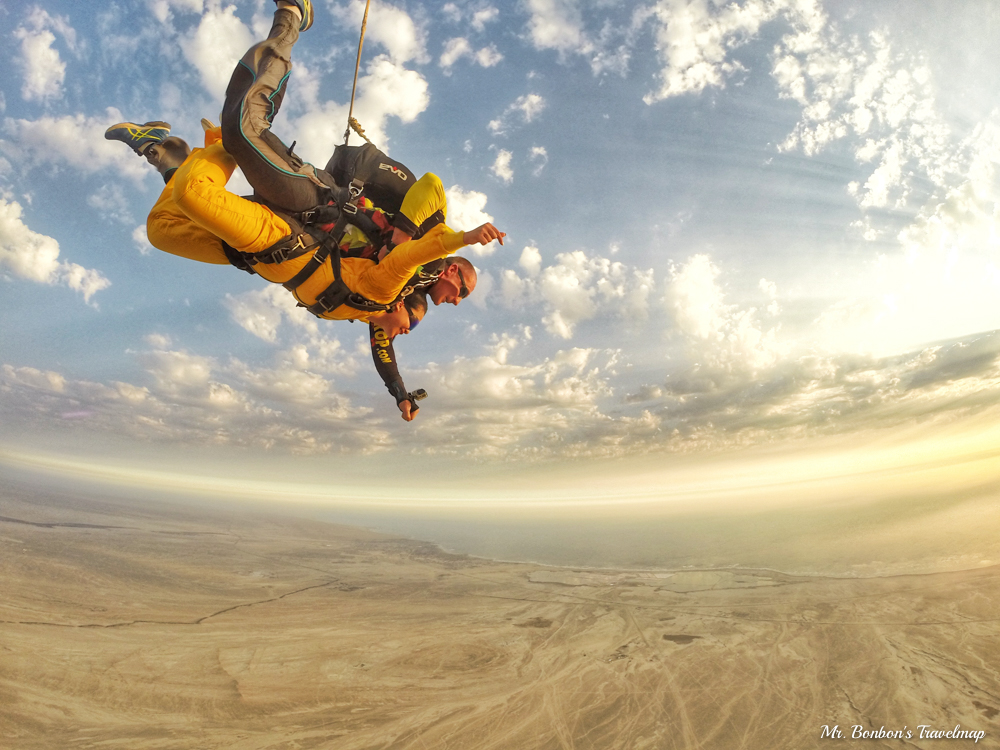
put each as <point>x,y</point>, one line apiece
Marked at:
<point>484,235</point>
<point>385,363</point>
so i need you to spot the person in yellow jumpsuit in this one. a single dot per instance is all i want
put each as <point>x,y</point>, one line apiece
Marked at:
<point>195,214</point>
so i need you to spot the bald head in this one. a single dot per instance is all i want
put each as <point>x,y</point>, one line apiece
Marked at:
<point>456,282</point>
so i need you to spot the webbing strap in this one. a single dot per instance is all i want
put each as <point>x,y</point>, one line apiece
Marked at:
<point>310,267</point>
<point>237,259</point>
<point>287,248</point>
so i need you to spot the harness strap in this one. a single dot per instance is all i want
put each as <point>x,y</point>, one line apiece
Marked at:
<point>312,265</point>
<point>337,293</point>
<point>287,248</point>
<point>238,259</point>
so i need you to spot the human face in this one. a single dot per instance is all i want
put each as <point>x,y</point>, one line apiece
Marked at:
<point>398,322</point>
<point>451,287</point>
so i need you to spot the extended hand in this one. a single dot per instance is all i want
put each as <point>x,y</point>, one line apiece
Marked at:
<point>409,410</point>
<point>484,235</point>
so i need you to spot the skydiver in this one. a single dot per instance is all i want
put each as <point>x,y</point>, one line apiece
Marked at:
<point>279,176</point>
<point>196,218</point>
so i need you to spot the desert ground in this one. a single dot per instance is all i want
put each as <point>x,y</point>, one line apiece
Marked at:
<point>148,625</point>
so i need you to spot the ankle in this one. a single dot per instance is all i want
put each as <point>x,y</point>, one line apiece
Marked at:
<point>167,155</point>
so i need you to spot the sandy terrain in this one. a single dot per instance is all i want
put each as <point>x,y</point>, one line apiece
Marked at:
<point>164,627</point>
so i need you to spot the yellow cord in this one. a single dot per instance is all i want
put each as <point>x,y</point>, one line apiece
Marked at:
<point>357,66</point>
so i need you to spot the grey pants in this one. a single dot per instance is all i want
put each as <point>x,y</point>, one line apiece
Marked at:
<point>253,98</point>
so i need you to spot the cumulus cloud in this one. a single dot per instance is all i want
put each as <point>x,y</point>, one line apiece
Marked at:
<point>484,16</point>
<point>861,88</point>
<point>505,406</point>
<point>458,48</point>
<point>525,108</point>
<point>33,256</point>
<point>110,202</point>
<point>531,260</point>
<point>309,343</point>
<point>466,211</point>
<point>43,68</point>
<point>557,25</point>
<point>577,288</point>
<point>395,31</point>
<point>539,157</point>
<point>194,399</point>
<point>489,56</point>
<point>140,240</point>
<point>386,90</point>
<point>454,50</point>
<point>694,39</point>
<point>501,166</point>
<point>220,39</point>
<point>476,15</point>
<point>73,141</point>
<point>162,10</point>
<point>724,342</point>
<point>260,312</point>
<point>493,407</point>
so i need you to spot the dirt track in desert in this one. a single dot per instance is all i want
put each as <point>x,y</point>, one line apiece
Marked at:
<point>155,626</point>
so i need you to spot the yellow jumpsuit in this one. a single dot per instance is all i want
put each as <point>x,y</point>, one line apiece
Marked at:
<point>195,211</point>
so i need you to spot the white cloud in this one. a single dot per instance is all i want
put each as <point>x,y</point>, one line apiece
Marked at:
<point>861,88</point>
<point>194,399</point>
<point>219,42</point>
<point>458,48</point>
<point>528,107</point>
<point>178,371</point>
<point>531,260</point>
<point>44,69</point>
<point>501,166</point>
<point>35,256</point>
<point>140,240</point>
<point>454,50</point>
<point>478,15</point>
<point>484,16</point>
<point>724,340</point>
<point>386,90</point>
<point>694,38</point>
<point>466,211</point>
<point>394,30</point>
<point>557,25</point>
<point>161,9</point>
<point>487,57</point>
<point>262,313</point>
<point>110,202</point>
<point>539,157</point>
<point>75,141</point>
<point>577,288</point>
<point>258,312</point>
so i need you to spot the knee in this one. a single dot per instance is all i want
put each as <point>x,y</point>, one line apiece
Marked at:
<point>158,225</point>
<point>183,180</point>
<point>432,183</point>
<point>432,186</point>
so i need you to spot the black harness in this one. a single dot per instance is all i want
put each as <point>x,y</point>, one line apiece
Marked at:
<point>311,231</point>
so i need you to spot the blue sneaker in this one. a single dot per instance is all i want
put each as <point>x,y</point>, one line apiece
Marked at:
<point>138,137</point>
<point>306,7</point>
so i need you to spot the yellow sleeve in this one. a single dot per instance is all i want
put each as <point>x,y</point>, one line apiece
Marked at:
<point>439,242</point>
<point>421,201</point>
<point>383,282</point>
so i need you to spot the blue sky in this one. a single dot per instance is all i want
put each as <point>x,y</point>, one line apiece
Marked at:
<point>729,226</point>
